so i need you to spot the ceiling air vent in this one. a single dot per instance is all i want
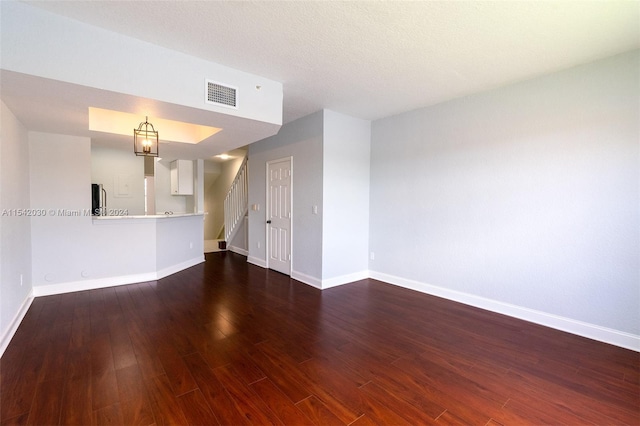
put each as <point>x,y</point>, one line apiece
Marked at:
<point>220,94</point>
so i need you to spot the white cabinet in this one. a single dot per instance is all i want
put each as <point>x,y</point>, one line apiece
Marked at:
<point>182,177</point>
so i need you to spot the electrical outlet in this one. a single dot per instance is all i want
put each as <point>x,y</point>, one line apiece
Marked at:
<point>258,244</point>
<point>20,280</point>
<point>372,256</point>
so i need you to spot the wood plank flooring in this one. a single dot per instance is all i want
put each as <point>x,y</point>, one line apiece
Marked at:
<point>226,342</point>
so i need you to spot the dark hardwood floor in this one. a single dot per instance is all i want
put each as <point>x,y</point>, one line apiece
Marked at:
<point>226,342</point>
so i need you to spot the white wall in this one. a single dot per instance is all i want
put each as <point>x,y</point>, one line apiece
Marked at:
<point>68,249</point>
<point>526,195</point>
<point>345,198</point>
<point>122,175</point>
<point>164,200</point>
<point>115,168</point>
<point>179,240</point>
<point>196,203</point>
<point>78,252</point>
<point>211,175</point>
<point>15,231</point>
<point>60,173</point>
<point>40,43</point>
<point>301,139</point>
<point>215,195</point>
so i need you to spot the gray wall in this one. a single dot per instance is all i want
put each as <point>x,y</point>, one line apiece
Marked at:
<point>301,139</point>
<point>331,171</point>
<point>345,200</point>
<point>526,195</point>
<point>239,243</point>
<point>77,252</point>
<point>15,231</point>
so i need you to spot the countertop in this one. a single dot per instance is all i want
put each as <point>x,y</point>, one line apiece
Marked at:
<point>149,216</point>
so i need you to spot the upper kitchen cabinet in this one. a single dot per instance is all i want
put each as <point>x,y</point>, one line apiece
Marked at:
<point>181,177</point>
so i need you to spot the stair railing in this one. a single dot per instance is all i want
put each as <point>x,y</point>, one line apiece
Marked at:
<point>235,203</point>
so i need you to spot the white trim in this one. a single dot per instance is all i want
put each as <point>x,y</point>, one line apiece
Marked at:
<point>238,250</point>
<point>69,287</point>
<point>307,279</point>
<point>298,276</point>
<point>591,331</point>
<point>257,261</point>
<point>344,279</point>
<point>15,323</point>
<point>165,272</point>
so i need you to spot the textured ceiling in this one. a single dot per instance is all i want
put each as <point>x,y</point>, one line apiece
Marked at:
<point>375,59</point>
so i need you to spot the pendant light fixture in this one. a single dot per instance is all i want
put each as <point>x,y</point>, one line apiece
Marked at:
<point>145,139</point>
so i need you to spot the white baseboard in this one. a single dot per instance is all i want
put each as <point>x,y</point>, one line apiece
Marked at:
<point>257,261</point>
<point>68,287</point>
<point>239,250</point>
<point>329,282</point>
<point>591,331</point>
<point>307,279</point>
<point>15,322</point>
<point>298,276</point>
<point>344,279</point>
<point>165,272</point>
<point>317,282</point>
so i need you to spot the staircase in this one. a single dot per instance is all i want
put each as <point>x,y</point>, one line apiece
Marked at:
<point>235,203</point>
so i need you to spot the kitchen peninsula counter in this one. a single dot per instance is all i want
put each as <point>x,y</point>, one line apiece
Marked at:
<point>146,217</point>
<point>119,250</point>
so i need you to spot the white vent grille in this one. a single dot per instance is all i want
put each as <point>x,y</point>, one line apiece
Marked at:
<point>220,94</point>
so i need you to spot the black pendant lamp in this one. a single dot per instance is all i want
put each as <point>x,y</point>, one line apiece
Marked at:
<point>145,139</point>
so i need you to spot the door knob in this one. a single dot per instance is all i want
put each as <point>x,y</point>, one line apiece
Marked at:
<point>269,221</point>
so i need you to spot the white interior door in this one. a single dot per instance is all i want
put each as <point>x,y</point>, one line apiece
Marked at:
<point>279,215</point>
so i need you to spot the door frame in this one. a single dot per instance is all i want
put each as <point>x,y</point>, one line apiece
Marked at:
<point>268,209</point>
